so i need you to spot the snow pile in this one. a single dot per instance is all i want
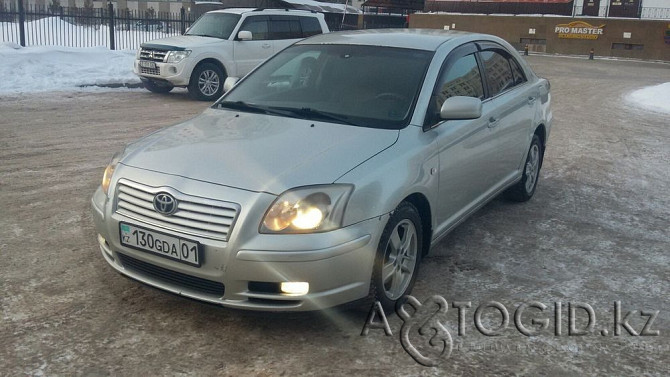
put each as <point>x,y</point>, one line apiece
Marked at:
<point>42,68</point>
<point>655,98</point>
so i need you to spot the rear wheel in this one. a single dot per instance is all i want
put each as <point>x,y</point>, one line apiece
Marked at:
<point>524,189</point>
<point>206,82</point>
<point>398,257</point>
<point>154,88</point>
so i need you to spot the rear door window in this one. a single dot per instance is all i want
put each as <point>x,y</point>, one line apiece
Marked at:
<point>499,75</point>
<point>285,27</point>
<point>310,26</point>
<point>519,77</point>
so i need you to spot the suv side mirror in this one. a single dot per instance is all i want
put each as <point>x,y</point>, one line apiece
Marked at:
<point>244,35</point>
<point>460,107</point>
<point>229,83</point>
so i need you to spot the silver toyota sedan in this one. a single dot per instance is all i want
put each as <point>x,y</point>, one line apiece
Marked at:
<point>326,174</point>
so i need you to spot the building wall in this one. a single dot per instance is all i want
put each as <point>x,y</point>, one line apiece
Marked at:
<point>517,30</point>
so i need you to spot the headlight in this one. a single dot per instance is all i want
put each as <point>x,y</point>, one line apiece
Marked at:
<point>109,171</point>
<point>177,56</point>
<point>307,210</point>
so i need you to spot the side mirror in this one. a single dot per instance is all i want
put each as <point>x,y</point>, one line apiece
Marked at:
<point>460,107</point>
<point>229,83</point>
<point>244,35</point>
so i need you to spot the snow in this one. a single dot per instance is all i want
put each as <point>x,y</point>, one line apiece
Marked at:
<point>46,65</point>
<point>53,68</point>
<point>654,98</point>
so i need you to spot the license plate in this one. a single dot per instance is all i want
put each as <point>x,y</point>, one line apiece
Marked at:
<point>147,64</point>
<point>175,248</point>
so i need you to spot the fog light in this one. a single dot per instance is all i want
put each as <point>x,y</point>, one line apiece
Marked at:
<point>294,288</point>
<point>173,69</point>
<point>105,246</point>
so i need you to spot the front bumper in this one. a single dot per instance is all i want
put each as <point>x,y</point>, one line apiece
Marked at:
<point>337,264</point>
<point>177,74</point>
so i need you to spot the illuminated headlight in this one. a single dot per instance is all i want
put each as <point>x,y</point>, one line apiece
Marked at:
<point>294,288</point>
<point>177,56</point>
<point>307,210</point>
<point>109,172</point>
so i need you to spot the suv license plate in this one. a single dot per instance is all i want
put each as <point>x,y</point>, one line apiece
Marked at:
<point>175,248</point>
<point>147,64</point>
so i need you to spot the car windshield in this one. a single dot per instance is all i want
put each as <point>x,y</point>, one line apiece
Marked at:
<point>216,25</point>
<point>366,86</point>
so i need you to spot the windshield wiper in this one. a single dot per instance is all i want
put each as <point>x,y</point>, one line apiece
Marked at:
<point>244,106</point>
<point>309,113</point>
<point>302,113</point>
<point>206,35</point>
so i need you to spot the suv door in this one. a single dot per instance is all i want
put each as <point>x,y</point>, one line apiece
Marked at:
<point>514,100</point>
<point>467,148</point>
<point>249,54</point>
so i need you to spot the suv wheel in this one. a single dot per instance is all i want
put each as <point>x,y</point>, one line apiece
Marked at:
<point>152,87</point>
<point>206,82</point>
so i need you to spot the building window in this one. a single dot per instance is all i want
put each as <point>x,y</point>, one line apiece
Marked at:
<point>533,41</point>
<point>627,46</point>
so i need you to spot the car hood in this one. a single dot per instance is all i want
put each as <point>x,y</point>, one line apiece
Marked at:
<point>179,42</point>
<point>257,152</point>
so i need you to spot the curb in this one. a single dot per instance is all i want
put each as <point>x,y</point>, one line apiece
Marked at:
<point>114,85</point>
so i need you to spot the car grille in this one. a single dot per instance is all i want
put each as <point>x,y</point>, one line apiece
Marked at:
<point>152,54</point>
<point>151,71</point>
<point>195,216</point>
<point>172,277</point>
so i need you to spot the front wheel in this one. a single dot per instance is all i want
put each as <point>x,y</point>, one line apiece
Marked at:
<point>524,189</point>
<point>206,82</point>
<point>398,256</point>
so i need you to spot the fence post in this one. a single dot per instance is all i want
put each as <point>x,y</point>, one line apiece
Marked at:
<point>110,11</point>
<point>22,24</point>
<point>182,17</point>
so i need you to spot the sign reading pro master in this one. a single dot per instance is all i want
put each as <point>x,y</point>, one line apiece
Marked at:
<point>579,30</point>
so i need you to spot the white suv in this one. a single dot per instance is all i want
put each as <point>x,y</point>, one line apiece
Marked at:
<point>221,43</point>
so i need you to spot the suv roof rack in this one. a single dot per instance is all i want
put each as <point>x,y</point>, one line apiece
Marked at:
<point>285,9</point>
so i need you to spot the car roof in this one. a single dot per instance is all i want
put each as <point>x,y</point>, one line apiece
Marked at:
<point>420,39</point>
<point>269,10</point>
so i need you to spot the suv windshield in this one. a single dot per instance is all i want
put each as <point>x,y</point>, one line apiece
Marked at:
<point>216,25</point>
<point>366,86</point>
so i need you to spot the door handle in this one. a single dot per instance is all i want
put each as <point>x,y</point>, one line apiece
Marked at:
<point>493,122</point>
<point>266,45</point>
<point>531,100</point>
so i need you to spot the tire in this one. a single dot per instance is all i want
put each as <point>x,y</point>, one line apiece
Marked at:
<point>393,278</point>
<point>206,82</point>
<point>161,89</point>
<point>523,190</point>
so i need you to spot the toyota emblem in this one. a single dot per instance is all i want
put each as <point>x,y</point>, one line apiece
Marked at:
<point>165,204</point>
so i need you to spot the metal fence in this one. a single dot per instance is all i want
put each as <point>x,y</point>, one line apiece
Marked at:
<point>623,12</point>
<point>499,7</point>
<point>88,26</point>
